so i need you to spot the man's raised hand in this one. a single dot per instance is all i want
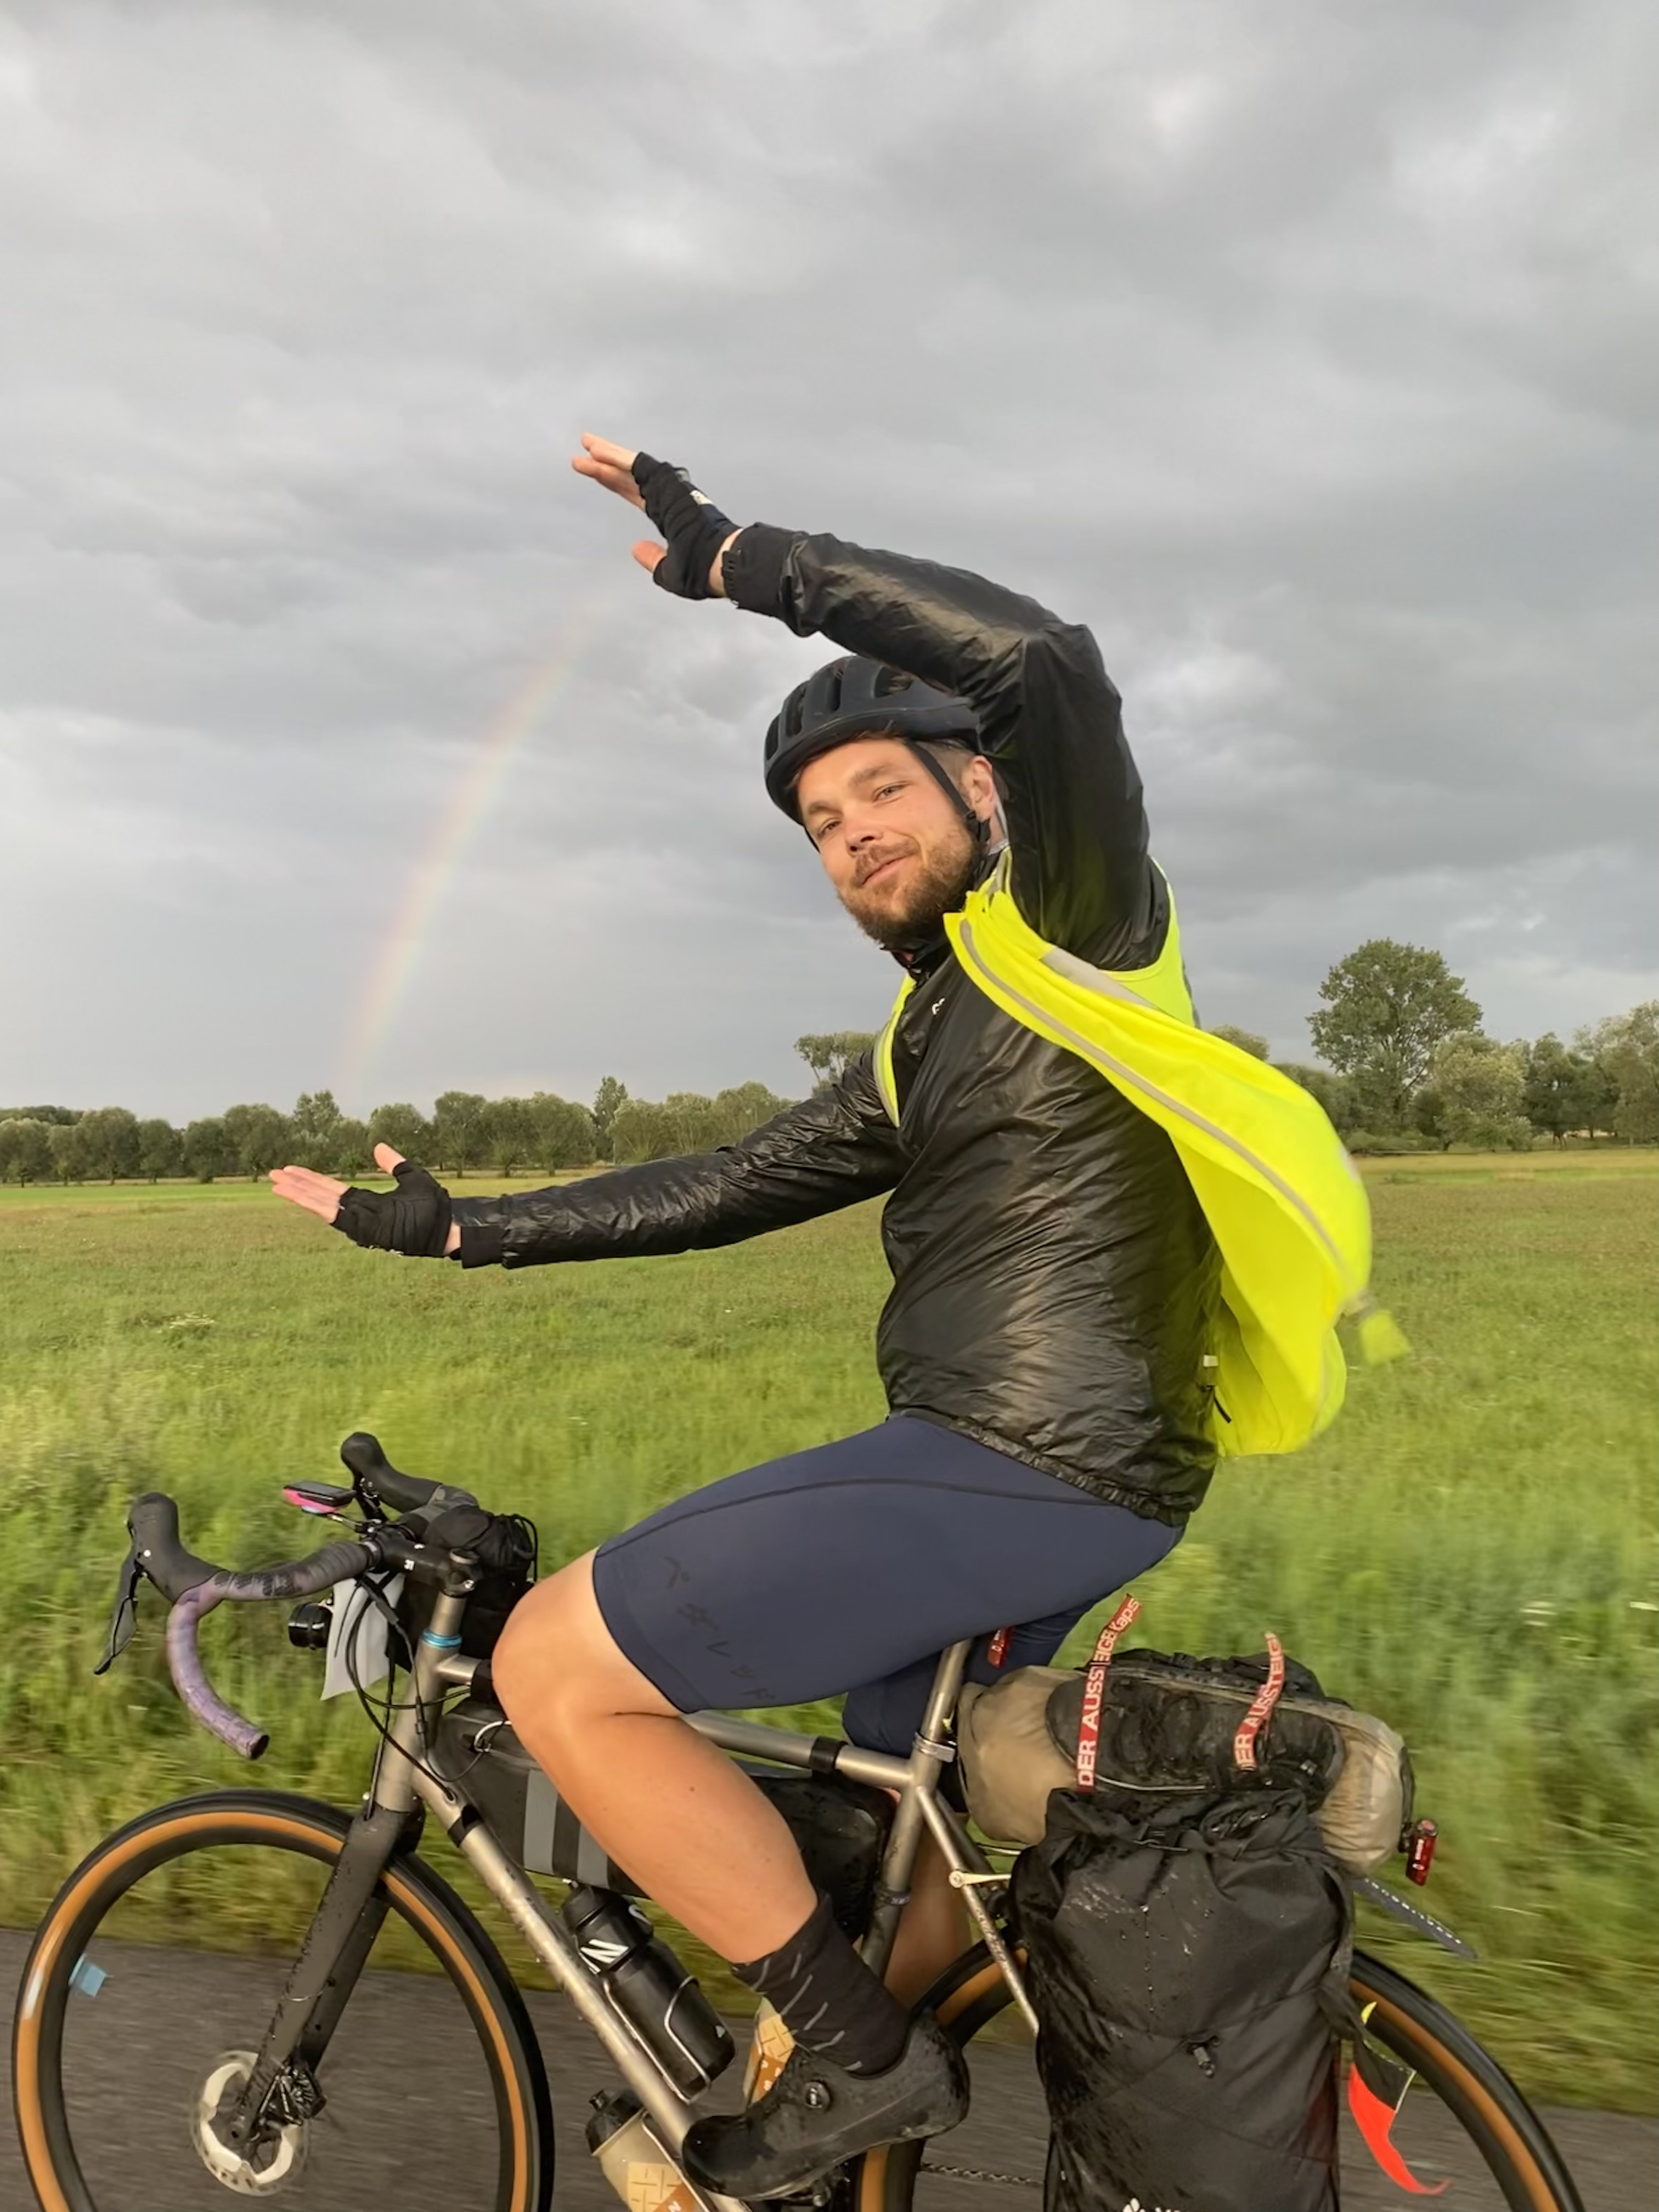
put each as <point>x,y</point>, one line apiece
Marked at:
<point>414,1219</point>
<point>689,564</point>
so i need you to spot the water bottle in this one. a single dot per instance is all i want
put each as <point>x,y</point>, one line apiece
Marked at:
<point>631,2159</point>
<point>654,1993</point>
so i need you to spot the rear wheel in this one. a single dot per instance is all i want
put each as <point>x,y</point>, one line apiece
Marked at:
<point>126,2051</point>
<point>1463,2120</point>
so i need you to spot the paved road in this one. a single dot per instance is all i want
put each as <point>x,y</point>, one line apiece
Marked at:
<point>411,2130</point>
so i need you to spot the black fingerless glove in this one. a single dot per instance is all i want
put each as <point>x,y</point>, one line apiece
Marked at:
<point>688,521</point>
<point>413,1220</point>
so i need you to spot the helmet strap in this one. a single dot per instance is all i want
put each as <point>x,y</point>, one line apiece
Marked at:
<point>977,828</point>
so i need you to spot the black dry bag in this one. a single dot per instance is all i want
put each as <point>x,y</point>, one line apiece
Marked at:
<point>1185,1962</point>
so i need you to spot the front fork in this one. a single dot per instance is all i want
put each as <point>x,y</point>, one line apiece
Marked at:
<point>282,2084</point>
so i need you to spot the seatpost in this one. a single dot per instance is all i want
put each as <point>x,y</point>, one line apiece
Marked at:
<point>930,1754</point>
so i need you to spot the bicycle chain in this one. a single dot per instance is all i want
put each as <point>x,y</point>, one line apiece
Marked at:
<point>979,2173</point>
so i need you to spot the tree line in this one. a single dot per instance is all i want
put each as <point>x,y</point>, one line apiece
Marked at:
<point>463,1134</point>
<point>1406,1066</point>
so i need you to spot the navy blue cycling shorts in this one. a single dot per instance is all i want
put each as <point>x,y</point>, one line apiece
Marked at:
<point>853,1566</point>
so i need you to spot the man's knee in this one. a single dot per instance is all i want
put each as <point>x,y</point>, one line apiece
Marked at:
<point>540,1651</point>
<point>556,1660</point>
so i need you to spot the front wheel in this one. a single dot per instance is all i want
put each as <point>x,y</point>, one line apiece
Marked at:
<point>1463,2120</point>
<point>126,2050</point>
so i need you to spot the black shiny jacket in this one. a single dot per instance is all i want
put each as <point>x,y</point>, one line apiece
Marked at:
<point>1054,1278</point>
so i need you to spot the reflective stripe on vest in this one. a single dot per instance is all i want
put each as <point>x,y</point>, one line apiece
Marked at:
<point>1288,1212</point>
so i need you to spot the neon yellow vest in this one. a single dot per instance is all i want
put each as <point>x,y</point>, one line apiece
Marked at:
<point>1287,1209</point>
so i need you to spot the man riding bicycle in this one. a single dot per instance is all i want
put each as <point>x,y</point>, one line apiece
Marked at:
<point>1045,1348</point>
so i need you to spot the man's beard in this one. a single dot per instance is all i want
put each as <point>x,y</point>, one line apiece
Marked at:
<point>938,888</point>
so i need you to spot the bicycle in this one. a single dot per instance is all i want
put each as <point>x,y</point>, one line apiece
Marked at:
<point>259,2094</point>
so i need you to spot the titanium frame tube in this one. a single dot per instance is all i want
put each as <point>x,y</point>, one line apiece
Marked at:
<point>915,1782</point>
<point>968,1883</point>
<point>929,1753</point>
<point>669,2115</point>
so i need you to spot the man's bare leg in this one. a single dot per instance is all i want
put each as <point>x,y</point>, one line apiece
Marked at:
<point>697,1834</point>
<point>691,1827</point>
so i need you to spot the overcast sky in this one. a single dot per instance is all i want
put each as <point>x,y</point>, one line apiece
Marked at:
<point>1309,351</point>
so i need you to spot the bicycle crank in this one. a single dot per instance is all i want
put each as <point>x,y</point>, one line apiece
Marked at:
<point>263,2167</point>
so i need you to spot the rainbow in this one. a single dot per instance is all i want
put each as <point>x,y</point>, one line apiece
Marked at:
<point>464,811</point>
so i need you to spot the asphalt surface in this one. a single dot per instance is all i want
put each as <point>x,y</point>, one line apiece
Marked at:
<point>411,2122</point>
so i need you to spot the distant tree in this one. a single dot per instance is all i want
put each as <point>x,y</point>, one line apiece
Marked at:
<point>161,1150</point>
<point>639,1131</point>
<point>26,1148</point>
<point>1473,1094</point>
<point>610,1096</point>
<point>458,1131</point>
<point>1335,1093</point>
<point>1601,1092</point>
<point>685,1122</point>
<point>354,1148</point>
<point>1429,1114</point>
<point>563,1134</point>
<point>1387,1006</point>
<point>56,1116</point>
<point>1558,1094</point>
<point>207,1150</point>
<point>70,1160</point>
<point>509,1135</point>
<point>733,1114</point>
<point>688,1122</point>
<point>830,1053</point>
<point>1246,1040</point>
<point>314,1128</point>
<point>109,1135</point>
<point>260,1139</point>
<point>405,1128</point>
<point>1626,1050</point>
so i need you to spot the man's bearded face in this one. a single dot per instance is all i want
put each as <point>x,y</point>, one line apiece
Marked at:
<point>896,850</point>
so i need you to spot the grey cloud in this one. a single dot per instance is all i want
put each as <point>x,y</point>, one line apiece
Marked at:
<point>1307,352</point>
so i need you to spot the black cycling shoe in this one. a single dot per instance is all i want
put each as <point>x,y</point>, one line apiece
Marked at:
<point>816,2114</point>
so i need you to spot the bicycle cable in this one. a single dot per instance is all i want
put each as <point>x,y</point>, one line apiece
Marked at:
<point>379,1716</point>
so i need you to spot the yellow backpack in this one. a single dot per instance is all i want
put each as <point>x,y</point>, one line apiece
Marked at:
<point>1284,1202</point>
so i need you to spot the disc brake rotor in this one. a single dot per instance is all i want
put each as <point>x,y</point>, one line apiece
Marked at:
<point>278,2155</point>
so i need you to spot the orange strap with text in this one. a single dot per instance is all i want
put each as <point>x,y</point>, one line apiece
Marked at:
<point>1094,1692</point>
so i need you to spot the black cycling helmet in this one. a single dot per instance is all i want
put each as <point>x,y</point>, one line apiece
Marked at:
<point>853,697</point>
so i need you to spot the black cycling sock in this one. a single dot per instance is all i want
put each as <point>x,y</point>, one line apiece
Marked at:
<point>830,2001</point>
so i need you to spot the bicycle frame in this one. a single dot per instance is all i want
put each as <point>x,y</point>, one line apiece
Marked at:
<point>405,1778</point>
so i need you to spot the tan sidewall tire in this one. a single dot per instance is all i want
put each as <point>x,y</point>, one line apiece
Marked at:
<point>424,1902</point>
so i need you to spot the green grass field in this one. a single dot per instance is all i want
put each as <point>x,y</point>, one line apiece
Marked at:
<point>1474,1552</point>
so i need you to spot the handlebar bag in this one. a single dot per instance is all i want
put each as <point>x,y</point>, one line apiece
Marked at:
<point>505,1549</point>
<point>1183,1962</point>
<point>1168,1726</point>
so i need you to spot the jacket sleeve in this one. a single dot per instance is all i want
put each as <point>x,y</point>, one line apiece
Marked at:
<point>831,1151</point>
<point>1051,719</point>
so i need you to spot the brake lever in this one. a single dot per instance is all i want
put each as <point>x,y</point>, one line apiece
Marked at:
<point>124,1619</point>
